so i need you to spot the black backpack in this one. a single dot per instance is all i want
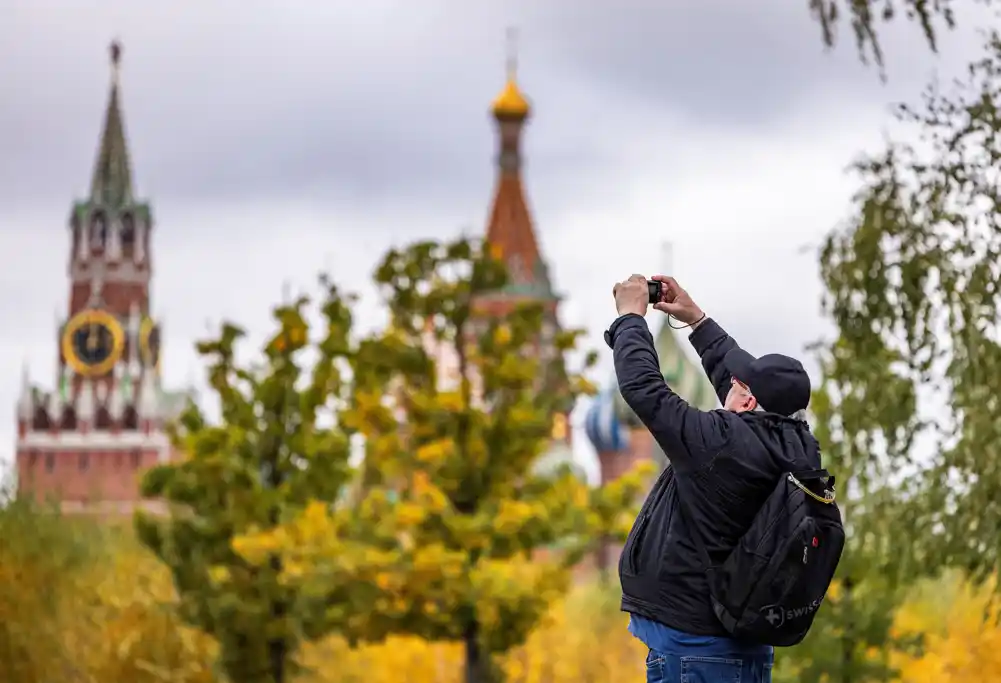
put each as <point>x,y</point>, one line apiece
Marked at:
<point>769,589</point>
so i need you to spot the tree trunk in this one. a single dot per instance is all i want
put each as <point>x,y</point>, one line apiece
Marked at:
<point>602,559</point>
<point>277,647</point>
<point>276,652</point>
<point>848,639</point>
<point>474,657</point>
<point>479,662</point>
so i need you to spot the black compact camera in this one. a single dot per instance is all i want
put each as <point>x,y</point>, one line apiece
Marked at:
<point>654,290</point>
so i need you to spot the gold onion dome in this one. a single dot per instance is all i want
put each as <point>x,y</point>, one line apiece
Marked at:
<point>511,103</point>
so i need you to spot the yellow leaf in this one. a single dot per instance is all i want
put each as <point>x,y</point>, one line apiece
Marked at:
<point>502,335</point>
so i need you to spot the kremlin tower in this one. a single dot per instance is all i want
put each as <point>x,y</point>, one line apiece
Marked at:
<point>85,442</point>
<point>619,438</point>
<point>511,237</point>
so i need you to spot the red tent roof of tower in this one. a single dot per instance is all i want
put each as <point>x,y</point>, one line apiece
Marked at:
<point>510,231</point>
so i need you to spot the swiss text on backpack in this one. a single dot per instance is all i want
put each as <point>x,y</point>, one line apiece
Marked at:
<point>770,587</point>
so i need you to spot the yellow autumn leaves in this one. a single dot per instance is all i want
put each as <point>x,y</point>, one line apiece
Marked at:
<point>435,452</point>
<point>428,561</point>
<point>513,515</point>
<point>953,632</point>
<point>91,606</point>
<point>580,639</point>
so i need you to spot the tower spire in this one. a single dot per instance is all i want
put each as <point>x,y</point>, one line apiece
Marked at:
<point>26,401</point>
<point>510,233</point>
<point>512,53</point>
<point>111,184</point>
<point>511,104</point>
<point>116,59</point>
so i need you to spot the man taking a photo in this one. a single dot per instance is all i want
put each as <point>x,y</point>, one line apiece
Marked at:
<point>681,571</point>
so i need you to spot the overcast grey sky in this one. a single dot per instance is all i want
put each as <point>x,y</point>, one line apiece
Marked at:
<point>275,139</point>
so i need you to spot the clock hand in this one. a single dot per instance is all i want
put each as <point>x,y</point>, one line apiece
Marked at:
<point>92,337</point>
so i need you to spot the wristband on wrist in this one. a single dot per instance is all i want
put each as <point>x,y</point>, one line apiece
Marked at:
<point>692,325</point>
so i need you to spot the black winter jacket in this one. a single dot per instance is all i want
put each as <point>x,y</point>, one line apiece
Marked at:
<point>725,465</point>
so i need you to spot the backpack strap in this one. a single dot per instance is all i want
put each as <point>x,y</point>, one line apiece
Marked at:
<point>797,477</point>
<point>815,475</point>
<point>823,476</point>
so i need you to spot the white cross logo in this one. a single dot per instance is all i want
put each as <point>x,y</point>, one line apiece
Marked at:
<point>774,615</point>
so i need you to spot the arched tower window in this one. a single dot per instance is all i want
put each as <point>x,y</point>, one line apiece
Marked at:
<point>128,233</point>
<point>130,420</point>
<point>103,419</point>
<point>79,234</point>
<point>40,421</point>
<point>98,231</point>
<point>69,418</point>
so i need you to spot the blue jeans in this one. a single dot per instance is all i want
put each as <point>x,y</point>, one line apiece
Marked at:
<point>696,668</point>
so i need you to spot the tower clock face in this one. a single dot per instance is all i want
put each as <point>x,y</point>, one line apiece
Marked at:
<point>149,343</point>
<point>92,342</point>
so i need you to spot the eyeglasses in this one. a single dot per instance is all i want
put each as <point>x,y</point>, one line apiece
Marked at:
<point>734,382</point>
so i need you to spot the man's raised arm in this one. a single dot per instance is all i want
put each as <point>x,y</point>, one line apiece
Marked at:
<point>685,433</point>
<point>713,343</point>
<point>709,339</point>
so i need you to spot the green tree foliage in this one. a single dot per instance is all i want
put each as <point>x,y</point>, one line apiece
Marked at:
<point>866,16</point>
<point>865,417</point>
<point>276,450</point>
<point>908,409</point>
<point>456,407</point>
<point>912,287</point>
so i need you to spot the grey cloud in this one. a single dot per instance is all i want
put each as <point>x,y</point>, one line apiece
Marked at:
<point>223,101</point>
<point>385,104</point>
<point>737,64</point>
<point>276,142</point>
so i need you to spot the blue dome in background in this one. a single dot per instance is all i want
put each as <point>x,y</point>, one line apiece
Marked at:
<point>602,424</point>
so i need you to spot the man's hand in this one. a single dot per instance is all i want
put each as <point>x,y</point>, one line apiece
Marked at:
<point>675,301</point>
<point>631,296</point>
